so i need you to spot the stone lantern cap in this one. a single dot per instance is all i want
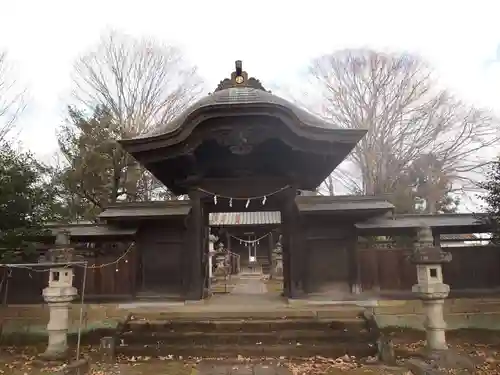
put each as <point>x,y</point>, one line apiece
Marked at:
<point>424,251</point>
<point>278,249</point>
<point>62,252</point>
<point>430,255</point>
<point>65,255</point>
<point>220,248</point>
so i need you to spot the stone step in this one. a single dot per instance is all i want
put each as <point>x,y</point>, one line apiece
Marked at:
<point>293,350</point>
<point>246,333</point>
<point>250,275</point>
<point>247,313</point>
<point>239,325</point>
<point>297,337</point>
<point>221,288</point>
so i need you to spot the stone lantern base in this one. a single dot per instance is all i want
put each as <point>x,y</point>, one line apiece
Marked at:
<point>59,301</point>
<point>432,291</point>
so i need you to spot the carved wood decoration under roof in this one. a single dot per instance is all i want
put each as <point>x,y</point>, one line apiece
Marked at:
<point>239,78</point>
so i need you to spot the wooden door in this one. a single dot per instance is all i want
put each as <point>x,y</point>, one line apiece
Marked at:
<point>161,250</point>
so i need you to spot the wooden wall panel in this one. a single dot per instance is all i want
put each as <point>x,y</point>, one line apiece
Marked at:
<point>472,268</point>
<point>102,281</point>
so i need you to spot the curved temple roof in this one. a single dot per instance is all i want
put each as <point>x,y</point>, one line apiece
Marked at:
<point>242,92</point>
<point>243,96</point>
<point>169,152</point>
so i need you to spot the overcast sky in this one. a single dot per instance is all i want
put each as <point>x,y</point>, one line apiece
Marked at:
<point>274,38</point>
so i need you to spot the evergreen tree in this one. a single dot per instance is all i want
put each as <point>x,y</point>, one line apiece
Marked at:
<point>26,200</point>
<point>97,171</point>
<point>492,199</point>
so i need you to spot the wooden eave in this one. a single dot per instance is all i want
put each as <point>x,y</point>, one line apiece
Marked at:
<point>182,132</point>
<point>351,205</point>
<point>440,224</point>
<point>146,210</point>
<point>92,231</point>
<point>245,218</point>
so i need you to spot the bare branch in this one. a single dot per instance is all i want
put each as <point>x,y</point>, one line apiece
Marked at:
<point>142,82</point>
<point>407,116</point>
<point>12,97</point>
<point>130,86</point>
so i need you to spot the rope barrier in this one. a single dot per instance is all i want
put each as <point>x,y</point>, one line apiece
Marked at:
<point>247,199</point>
<point>251,241</point>
<point>31,269</point>
<point>115,261</point>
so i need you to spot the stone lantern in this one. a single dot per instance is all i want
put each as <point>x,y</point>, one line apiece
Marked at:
<point>278,260</point>
<point>430,287</point>
<point>59,294</point>
<point>220,259</point>
<point>211,252</point>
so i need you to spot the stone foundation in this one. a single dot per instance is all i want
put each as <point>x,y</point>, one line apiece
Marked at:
<point>480,313</point>
<point>34,318</point>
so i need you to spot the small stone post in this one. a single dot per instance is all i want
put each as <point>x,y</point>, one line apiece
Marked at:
<point>59,294</point>
<point>430,288</point>
<point>108,349</point>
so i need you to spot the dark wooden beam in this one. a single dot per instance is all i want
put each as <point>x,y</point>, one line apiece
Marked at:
<point>292,257</point>
<point>305,257</point>
<point>195,248</point>
<point>270,252</point>
<point>352,253</point>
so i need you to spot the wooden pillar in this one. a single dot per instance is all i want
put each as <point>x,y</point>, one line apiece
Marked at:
<point>286,263</point>
<point>292,257</point>
<point>300,251</point>
<point>436,239</point>
<point>186,256</point>
<point>228,241</point>
<point>195,248</point>
<point>285,255</point>
<point>354,274</point>
<point>306,260</point>
<point>270,249</point>
<point>204,251</point>
<point>377,267</point>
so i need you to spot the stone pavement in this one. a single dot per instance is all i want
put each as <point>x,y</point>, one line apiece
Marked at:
<point>202,368</point>
<point>221,368</point>
<point>250,291</point>
<point>250,285</point>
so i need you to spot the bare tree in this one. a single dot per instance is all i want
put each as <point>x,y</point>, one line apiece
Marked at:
<point>407,115</point>
<point>12,97</point>
<point>141,81</point>
<point>140,84</point>
<point>327,187</point>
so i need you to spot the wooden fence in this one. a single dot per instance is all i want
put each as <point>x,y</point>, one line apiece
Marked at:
<point>472,268</point>
<point>385,269</point>
<point>105,280</point>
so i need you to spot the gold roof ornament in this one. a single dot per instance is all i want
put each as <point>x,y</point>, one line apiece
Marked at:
<point>239,78</point>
